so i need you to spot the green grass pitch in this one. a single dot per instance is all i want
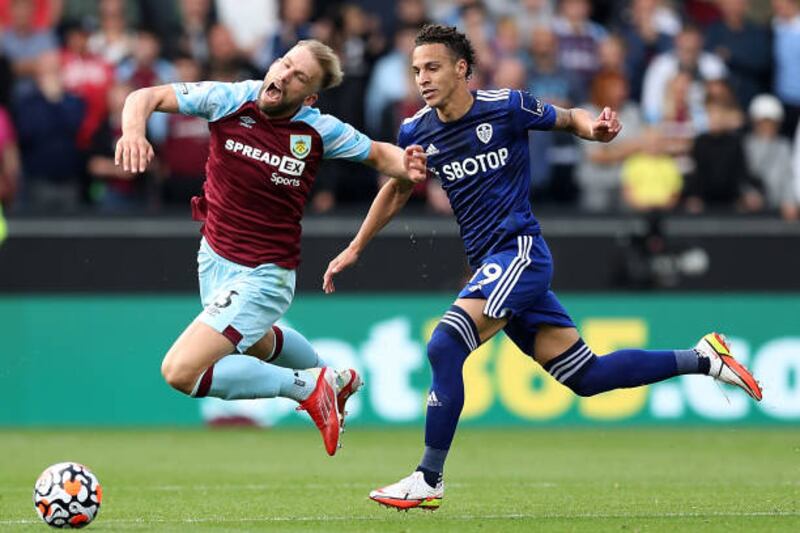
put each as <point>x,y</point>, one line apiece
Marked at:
<point>676,479</point>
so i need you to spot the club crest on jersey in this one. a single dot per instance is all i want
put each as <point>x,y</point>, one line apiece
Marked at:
<point>484,132</point>
<point>300,145</point>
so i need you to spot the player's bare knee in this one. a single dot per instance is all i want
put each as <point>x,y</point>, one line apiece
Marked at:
<point>178,376</point>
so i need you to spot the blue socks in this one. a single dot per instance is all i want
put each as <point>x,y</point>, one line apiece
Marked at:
<point>451,342</point>
<point>586,374</point>
<point>242,377</point>
<point>292,350</point>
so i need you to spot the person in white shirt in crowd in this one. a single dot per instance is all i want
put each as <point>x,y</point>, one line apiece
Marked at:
<point>688,56</point>
<point>769,156</point>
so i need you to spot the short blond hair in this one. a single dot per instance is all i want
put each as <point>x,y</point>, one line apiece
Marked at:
<point>328,60</point>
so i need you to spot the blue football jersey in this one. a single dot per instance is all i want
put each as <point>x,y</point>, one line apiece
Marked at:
<point>482,161</point>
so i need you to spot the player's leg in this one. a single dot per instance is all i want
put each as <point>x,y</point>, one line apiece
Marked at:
<point>201,363</point>
<point>240,305</point>
<point>460,331</point>
<point>286,347</point>
<point>561,351</point>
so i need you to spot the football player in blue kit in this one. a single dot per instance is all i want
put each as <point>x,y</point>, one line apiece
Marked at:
<point>477,146</point>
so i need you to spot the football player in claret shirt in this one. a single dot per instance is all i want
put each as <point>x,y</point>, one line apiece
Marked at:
<point>477,146</point>
<point>266,145</point>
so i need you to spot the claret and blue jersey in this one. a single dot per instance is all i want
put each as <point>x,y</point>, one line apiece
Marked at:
<point>260,170</point>
<point>482,161</point>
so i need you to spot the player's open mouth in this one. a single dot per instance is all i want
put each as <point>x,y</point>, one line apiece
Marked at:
<point>272,92</point>
<point>427,93</point>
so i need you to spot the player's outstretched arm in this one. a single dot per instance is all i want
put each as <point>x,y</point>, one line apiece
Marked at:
<point>393,161</point>
<point>388,202</point>
<point>133,150</point>
<point>579,122</point>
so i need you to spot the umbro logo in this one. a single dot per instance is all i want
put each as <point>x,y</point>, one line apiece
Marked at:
<point>431,150</point>
<point>247,121</point>
<point>433,401</point>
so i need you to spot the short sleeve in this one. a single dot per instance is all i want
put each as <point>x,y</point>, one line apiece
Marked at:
<point>402,138</point>
<point>530,113</point>
<point>340,140</point>
<point>214,100</point>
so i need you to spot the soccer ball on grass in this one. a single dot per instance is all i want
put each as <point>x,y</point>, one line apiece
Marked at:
<point>67,495</point>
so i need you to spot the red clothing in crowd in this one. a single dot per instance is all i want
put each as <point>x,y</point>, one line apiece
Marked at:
<point>90,77</point>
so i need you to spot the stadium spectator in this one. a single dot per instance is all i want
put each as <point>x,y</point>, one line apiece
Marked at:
<point>532,14</point>
<point>744,46</point>
<point>92,10</point>
<point>22,43</point>
<point>599,172</point>
<point>6,80</point>
<point>611,56</point>
<point>464,13</point>
<point>578,43</point>
<point>547,78</point>
<point>720,179</point>
<point>48,119</point>
<point>651,180</point>
<point>644,39</point>
<point>357,42</point>
<point>196,21</point>
<point>185,149</point>
<point>786,30</point>
<point>769,156</point>
<point>119,190</point>
<point>688,56</point>
<point>683,117</point>
<point>163,19</point>
<point>389,83</point>
<point>411,12</point>
<point>702,12</point>
<point>113,40</point>
<point>553,155</point>
<point>46,13</point>
<point>248,21</point>
<point>478,25</point>
<point>9,160</point>
<point>507,40</point>
<point>509,73</point>
<point>146,67</point>
<point>683,107</point>
<point>88,76</point>
<point>226,61</point>
<point>295,16</point>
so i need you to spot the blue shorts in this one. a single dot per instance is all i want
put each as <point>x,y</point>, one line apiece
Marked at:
<point>515,282</point>
<point>241,302</point>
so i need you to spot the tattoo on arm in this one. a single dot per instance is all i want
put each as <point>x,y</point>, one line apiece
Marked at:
<point>564,119</point>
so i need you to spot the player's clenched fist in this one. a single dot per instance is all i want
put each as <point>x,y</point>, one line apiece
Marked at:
<point>133,152</point>
<point>416,163</point>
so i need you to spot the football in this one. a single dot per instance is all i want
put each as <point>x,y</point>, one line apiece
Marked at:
<point>67,495</point>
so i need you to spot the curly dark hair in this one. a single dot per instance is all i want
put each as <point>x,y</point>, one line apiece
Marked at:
<point>454,40</point>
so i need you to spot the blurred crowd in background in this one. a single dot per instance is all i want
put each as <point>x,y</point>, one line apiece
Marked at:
<point>708,91</point>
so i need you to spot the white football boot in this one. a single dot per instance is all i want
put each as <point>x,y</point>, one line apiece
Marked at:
<point>409,493</point>
<point>724,367</point>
